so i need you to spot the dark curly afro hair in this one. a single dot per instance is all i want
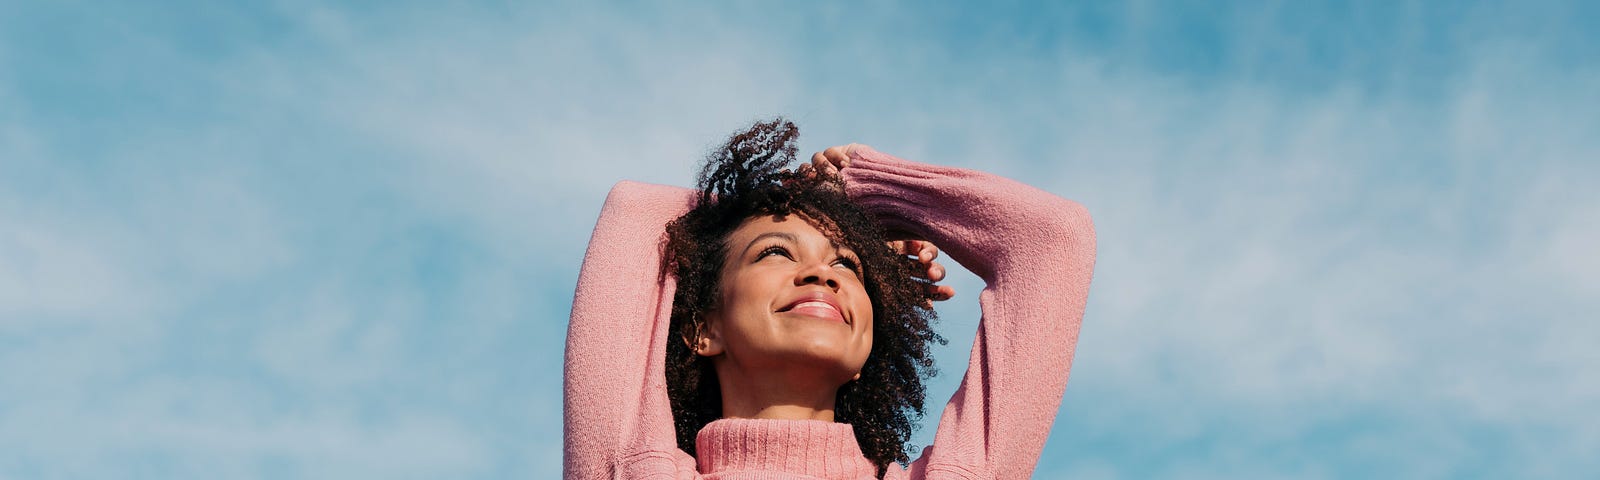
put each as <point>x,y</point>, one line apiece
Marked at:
<point>747,177</point>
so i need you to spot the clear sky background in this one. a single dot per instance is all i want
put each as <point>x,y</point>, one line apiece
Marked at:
<point>293,240</point>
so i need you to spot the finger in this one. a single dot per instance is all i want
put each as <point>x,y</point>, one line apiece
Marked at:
<point>939,293</point>
<point>902,247</point>
<point>825,166</point>
<point>919,248</point>
<point>935,272</point>
<point>847,149</point>
<point>923,250</point>
<point>931,272</point>
<point>839,156</point>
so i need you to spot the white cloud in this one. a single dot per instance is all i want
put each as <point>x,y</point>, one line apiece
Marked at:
<point>1272,261</point>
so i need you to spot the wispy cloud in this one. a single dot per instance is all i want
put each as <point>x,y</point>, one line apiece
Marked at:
<point>309,241</point>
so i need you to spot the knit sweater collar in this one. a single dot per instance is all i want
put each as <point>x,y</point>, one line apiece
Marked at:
<point>796,447</point>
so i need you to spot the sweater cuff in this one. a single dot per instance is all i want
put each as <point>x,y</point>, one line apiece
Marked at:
<point>807,447</point>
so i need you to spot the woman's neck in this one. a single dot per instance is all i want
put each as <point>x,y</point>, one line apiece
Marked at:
<point>772,396</point>
<point>777,412</point>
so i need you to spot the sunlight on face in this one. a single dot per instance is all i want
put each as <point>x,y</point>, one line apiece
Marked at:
<point>792,298</point>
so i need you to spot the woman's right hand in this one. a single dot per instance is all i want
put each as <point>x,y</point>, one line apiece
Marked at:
<point>832,159</point>
<point>828,162</point>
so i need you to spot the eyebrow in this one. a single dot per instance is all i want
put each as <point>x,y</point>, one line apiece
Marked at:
<point>796,240</point>
<point>783,235</point>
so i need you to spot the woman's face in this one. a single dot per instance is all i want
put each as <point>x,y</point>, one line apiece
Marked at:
<point>791,297</point>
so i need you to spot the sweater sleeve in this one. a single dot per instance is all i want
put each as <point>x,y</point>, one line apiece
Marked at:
<point>618,421</point>
<point>1035,253</point>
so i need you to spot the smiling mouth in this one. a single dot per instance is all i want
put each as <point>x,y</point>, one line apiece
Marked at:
<point>816,308</point>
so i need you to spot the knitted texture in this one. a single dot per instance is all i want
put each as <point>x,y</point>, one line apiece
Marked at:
<point>754,448</point>
<point>1033,250</point>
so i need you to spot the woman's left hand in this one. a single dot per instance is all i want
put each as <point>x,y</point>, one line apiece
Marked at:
<point>929,270</point>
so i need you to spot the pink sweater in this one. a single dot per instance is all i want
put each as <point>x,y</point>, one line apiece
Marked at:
<point>1033,250</point>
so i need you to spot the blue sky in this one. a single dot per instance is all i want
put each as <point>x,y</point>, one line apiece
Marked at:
<point>293,240</point>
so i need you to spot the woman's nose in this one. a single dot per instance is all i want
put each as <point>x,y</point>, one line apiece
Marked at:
<point>818,274</point>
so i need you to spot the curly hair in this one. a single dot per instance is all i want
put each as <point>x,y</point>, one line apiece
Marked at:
<point>747,178</point>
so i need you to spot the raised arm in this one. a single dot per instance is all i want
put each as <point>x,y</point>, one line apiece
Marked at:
<point>617,414</point>
<point>1035,252</point>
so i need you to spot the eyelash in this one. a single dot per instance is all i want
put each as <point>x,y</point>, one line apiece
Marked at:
<point>847,261</point>
<point>777,250</point>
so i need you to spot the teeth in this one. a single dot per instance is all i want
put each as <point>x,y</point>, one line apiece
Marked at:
<point>815,304</point>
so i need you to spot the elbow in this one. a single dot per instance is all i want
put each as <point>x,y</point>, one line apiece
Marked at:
<point>1070,221</point>
<point>1074,217</point>
<point>1070,250</point>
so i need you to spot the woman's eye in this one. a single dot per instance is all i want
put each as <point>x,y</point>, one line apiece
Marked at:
<point>773,251</point>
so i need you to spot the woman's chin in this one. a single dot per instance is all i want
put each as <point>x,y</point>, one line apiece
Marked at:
<point>828,358</point>
<point>824,341</point>
<point>803,347</point>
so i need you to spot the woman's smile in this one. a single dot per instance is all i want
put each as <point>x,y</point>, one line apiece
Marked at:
<point>818,309</point>
<point>816,304</point>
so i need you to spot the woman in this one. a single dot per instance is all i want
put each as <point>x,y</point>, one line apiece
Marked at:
<point>773,332</point>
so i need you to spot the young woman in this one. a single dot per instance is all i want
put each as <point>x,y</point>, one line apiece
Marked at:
<point>766,326</point>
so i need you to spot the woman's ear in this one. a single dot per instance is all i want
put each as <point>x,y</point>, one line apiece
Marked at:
<point>707,341</point>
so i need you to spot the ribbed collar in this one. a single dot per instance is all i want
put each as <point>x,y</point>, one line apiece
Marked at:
<point>804,447</point>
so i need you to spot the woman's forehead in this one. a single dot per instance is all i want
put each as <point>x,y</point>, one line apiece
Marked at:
<point>793,227</point>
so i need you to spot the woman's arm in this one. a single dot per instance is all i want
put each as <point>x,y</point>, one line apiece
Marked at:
<point>1035,252</point>
<point>618,419</point>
